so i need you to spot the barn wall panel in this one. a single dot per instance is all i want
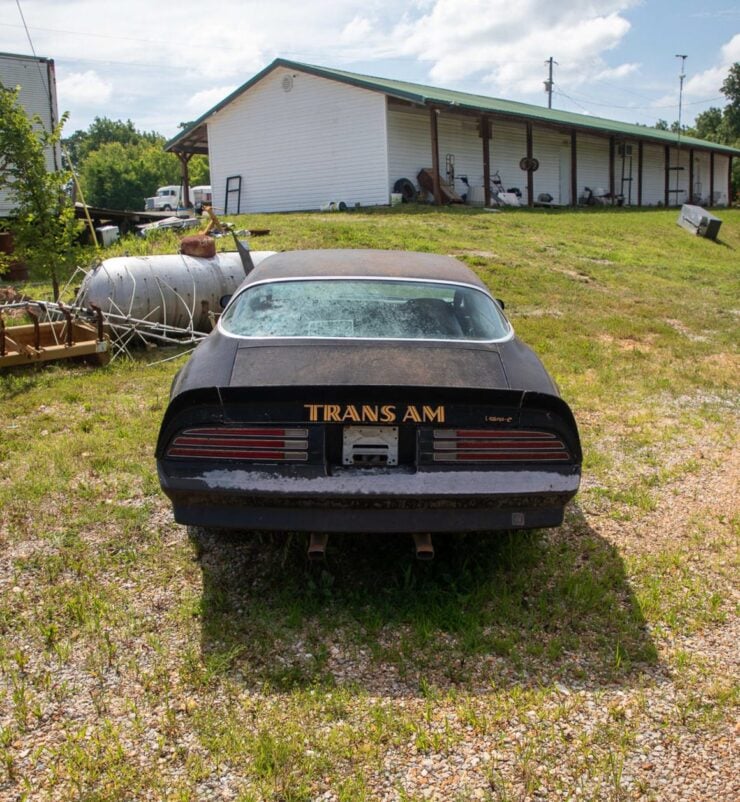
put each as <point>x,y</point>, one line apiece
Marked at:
<point>508,148</point>
<point>701,178</point>
<point>321,141</point>
<point>548,148</point>
<point>653,175</point>
<point>721,167</point>
<point>593,164</point>
<point>38,96</point>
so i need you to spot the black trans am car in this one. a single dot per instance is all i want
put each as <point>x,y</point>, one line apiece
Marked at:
<point>366,391</point>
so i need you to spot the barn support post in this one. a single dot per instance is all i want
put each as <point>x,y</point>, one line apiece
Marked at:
<point>184,168</point>
<point>711,178</point>
<point>530,172</point>
<point>640,156</point>
<point>485,132</point>
<point>612,149</point>
<point>573,168</point>
<point>667,171</point>
<point>691,175</point>
<point>433,115</point>
<point>729,181</point>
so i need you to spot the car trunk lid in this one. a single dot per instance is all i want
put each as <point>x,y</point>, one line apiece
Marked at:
<point>416,364</point>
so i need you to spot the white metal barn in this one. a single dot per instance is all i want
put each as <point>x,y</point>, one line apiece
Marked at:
<point>38,95</point>
<point>297,136</point>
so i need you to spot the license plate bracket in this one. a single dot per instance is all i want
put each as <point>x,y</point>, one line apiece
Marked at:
<point>370,446</point>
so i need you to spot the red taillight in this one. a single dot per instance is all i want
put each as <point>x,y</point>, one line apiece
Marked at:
<point>239,443</point>
<point>499,445</point>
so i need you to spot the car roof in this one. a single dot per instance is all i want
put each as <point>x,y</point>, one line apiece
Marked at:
<point>363,263</point>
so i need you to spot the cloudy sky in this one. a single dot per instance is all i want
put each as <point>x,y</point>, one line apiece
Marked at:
<point>160,64</point>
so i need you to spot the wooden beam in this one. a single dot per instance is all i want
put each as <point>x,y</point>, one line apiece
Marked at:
<point>433,115</point>
<point>573,168</point>
<point>184,163</point>
<point>691,175</point>
<point>530,172</point>
<point>729,181</point>
<point>667,171</point>
<point>640,157</point>
<point>612,185</point>
<point>485,132</point>
<point>711,179</point>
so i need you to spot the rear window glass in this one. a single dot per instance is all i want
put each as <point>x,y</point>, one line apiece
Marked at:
<point>366,308</point>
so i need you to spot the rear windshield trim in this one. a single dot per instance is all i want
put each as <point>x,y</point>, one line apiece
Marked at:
<point>508,336</point>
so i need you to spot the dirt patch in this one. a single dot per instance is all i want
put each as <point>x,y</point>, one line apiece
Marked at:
<point>575,275</point>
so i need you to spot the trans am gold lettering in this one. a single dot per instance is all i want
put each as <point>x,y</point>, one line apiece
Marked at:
<point>350,413</point>
<point>373,413</point>
<point>411,415</point>
<point>433,414</point>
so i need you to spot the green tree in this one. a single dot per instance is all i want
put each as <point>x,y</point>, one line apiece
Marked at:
<point>731,90</point>
<point>102,131</point>
<point>119,176</point>
<point>119,166</point>
<point>709,125</point>
<point>43,222</point>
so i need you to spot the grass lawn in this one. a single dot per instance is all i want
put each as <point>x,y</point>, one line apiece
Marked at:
<point>596,661</point>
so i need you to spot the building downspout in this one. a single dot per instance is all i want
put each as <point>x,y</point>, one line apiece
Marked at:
<point>640,154</point>
<point>711,179</point>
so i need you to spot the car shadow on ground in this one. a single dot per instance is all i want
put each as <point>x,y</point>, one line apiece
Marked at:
<point>491,609</point>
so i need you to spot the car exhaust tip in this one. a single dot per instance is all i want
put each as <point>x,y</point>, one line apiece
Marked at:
<point>424,546</point>
<point>317,546</point>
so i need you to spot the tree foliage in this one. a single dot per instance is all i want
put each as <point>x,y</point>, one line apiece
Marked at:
<point>120,166</point>
<point>43,222</point>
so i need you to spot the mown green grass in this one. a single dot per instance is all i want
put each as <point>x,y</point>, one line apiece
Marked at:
<point>182,672</point>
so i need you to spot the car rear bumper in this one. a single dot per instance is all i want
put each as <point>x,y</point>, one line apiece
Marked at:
<point>371,500</point>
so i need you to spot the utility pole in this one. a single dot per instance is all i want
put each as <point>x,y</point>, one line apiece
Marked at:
<point>681,77</point>
<point>549,82</point>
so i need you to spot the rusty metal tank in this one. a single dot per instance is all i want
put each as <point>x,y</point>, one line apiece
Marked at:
<point>172,289</point>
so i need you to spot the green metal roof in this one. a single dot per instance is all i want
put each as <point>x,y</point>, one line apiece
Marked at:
<point>433,96</point>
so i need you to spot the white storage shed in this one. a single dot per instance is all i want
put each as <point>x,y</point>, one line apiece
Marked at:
<point>297,136</point>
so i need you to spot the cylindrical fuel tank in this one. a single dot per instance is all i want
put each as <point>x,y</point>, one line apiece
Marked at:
<point>172,289</point>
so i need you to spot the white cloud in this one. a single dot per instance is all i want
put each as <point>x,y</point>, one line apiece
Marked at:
<point>708,83</point>
<point>204,100</point>
<point>356,31</point>
<point>507,42</point>
<point>83,89</point>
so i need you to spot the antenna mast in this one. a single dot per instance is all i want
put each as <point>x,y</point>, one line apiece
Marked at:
<point>681,77</point>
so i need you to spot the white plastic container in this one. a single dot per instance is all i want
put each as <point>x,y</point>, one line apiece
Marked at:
<point>108,235</point>
<point>396,198</point>
<point>476,196</point>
